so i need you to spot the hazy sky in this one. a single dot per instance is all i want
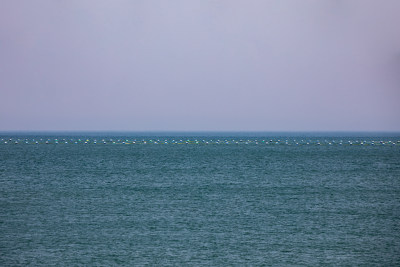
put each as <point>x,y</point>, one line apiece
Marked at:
<point>200,65</point>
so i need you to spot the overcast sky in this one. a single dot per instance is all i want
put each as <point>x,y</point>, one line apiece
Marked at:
<point>173,65</point>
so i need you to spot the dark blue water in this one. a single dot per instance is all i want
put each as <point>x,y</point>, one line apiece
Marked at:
<point>216,200</point>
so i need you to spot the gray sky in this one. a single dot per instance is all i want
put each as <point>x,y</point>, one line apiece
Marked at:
<point>200,65</point>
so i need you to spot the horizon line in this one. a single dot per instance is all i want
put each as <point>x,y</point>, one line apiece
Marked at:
<point>200,131</point>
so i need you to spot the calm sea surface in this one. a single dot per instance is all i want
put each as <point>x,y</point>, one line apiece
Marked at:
<point>205,199</point>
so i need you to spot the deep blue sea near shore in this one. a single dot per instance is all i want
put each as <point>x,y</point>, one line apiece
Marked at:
<point>215,199</point>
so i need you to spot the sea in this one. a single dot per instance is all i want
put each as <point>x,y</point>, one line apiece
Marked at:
<point>199,199</point>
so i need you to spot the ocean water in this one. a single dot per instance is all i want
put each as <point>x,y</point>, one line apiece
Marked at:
<point>202,199</point>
